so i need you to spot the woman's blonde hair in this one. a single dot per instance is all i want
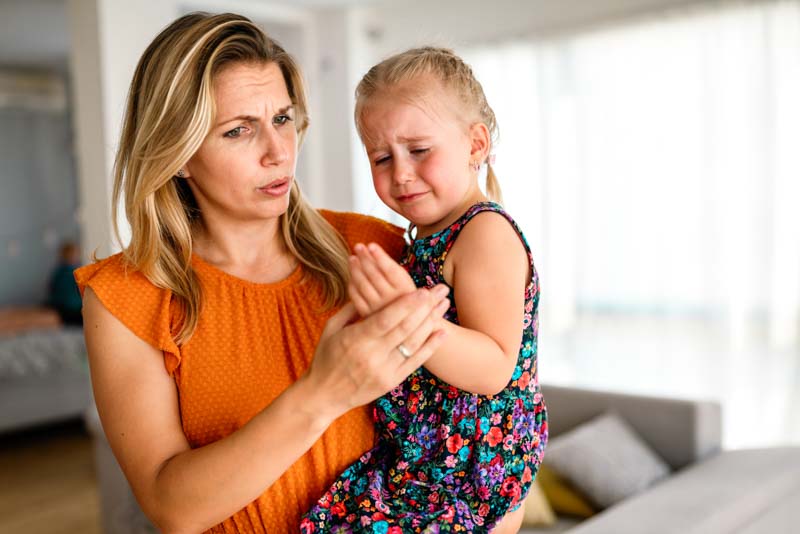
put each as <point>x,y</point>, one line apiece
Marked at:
<point>170,111</point>
<point>455,76</point>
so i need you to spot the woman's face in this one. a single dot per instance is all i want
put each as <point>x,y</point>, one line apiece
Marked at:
<point>245,167</point>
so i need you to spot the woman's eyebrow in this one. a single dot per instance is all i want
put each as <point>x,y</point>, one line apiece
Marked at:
<point>253,118</point>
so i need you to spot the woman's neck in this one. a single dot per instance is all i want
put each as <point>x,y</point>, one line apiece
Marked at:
<point>254,251</point>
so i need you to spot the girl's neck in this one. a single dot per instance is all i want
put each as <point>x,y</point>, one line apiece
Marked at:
<point>470,199</point>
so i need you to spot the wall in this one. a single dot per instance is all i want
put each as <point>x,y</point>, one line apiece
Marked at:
<point>38,199</point>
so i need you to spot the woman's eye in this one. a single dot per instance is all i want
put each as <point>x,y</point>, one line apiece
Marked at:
<point>382,159</point>
<point>419,150</point>
<point>282,119</point>
<point>236,132</point>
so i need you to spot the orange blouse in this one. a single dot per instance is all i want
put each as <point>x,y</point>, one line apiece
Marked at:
<point>252,341</point>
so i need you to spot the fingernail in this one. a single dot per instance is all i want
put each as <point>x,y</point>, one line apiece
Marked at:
<point>358,247</point>
<point>441,291</point>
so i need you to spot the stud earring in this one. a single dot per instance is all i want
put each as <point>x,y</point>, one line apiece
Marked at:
<point>180,173</point>
<point>475,166</point>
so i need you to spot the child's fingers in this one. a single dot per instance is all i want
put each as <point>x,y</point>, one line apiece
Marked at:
<point>358,301</point>
<point>366,296</point>
<point>374,275</point>
<point>392,271</point>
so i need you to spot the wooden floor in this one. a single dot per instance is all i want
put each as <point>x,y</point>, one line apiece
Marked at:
<point>47,482</point>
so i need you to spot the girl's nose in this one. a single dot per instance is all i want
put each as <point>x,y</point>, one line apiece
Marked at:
<point>402,173</point>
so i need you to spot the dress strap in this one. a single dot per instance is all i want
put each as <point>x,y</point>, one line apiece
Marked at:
<point>481,207</point>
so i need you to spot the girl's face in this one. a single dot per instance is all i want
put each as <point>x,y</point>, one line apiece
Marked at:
<point>245,167</point>
<point>420,157</point>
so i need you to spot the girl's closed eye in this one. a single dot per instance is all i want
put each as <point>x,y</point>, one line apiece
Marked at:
<point>382,159</point>
<point>419,151</point>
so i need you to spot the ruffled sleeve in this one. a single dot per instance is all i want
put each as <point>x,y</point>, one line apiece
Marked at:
<point>357,228</point>
<point>138,304</point>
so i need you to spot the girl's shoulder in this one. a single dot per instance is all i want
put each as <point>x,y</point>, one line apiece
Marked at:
<point>358,228</point>
<point>485,223</point>
<point>487,237</point>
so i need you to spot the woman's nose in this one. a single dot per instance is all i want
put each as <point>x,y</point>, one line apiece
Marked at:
<point>276,149</point>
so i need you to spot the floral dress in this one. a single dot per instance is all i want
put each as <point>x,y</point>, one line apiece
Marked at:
<point>445,460</point>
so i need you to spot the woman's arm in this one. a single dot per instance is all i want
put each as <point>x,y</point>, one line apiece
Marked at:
<point>488,268</point>
<point>190,490</point>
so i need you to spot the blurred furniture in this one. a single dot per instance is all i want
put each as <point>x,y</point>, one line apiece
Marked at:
<point>710,491</point>
<point>44,377</point>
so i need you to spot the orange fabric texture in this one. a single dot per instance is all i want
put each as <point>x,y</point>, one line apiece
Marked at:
<point>252,341</point>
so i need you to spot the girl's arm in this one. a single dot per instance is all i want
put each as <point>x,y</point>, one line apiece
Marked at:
<point>488,269</point>
<point>190,490</point>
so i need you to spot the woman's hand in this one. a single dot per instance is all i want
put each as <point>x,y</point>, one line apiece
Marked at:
<point>355,363</point>
<point>376,279</point>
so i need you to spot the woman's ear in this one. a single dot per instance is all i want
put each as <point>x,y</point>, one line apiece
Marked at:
<point>480,142</point>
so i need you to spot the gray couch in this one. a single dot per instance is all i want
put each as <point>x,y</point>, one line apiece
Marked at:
<point>44,378</point>
<point>710,491</point>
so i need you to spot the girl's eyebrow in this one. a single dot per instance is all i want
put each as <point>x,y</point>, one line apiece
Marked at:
<point>413,139</point>
<point>401,139</point>
<point>253,118</point>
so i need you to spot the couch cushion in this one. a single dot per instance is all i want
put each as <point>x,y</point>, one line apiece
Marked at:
<point>720,495</point>
<point>605,460</point>
<point>563,498</point>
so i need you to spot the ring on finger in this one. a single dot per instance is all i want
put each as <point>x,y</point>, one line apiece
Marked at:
<point>403,350</point>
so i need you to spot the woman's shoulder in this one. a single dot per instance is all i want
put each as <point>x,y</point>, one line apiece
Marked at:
<point>117,274</point>
<point>128,295</point>
<point>358,228</point>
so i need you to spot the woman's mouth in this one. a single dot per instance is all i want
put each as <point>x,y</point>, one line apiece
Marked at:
<point>277,188</point>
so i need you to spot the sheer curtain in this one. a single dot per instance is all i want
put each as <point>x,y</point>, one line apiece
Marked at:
<point>654,165</point>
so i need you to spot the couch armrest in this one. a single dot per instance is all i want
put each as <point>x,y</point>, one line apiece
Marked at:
<point>680,431</point>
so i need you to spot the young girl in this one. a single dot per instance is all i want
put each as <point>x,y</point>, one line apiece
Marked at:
<point>460,440</point>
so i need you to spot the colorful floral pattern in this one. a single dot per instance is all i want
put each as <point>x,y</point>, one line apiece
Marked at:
<point>445,460</point>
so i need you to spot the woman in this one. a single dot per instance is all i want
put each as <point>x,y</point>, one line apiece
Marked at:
<point>202,332</point>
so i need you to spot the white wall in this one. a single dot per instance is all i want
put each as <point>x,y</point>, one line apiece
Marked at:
<point>334,46</point>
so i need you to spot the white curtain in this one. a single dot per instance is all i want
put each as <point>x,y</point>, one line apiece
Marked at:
<point>654,165</point>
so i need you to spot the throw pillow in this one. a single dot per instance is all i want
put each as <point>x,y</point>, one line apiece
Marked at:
<point>605,460</point>
<point>538,512</point>
<point>563,498</point>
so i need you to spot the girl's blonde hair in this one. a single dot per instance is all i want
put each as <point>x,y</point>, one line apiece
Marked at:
<point>170,111</point>
<point>455,76</point>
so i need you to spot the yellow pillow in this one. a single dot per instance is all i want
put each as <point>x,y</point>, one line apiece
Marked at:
<point>563,498</point>
<point>538,512</point>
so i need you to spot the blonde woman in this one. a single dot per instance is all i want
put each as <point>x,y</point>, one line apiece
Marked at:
<point>230,379</point>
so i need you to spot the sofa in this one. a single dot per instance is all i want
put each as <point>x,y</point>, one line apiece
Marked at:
<point>44,377</point>
<point>709,491</point>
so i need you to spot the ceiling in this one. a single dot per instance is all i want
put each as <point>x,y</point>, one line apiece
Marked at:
<point>34,35</point>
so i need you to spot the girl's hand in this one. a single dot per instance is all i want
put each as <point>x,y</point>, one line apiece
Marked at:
<point>355,363</point>
<point>376,279</point>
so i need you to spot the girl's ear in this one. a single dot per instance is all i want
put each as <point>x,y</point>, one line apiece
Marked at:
<point>480,142</point>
